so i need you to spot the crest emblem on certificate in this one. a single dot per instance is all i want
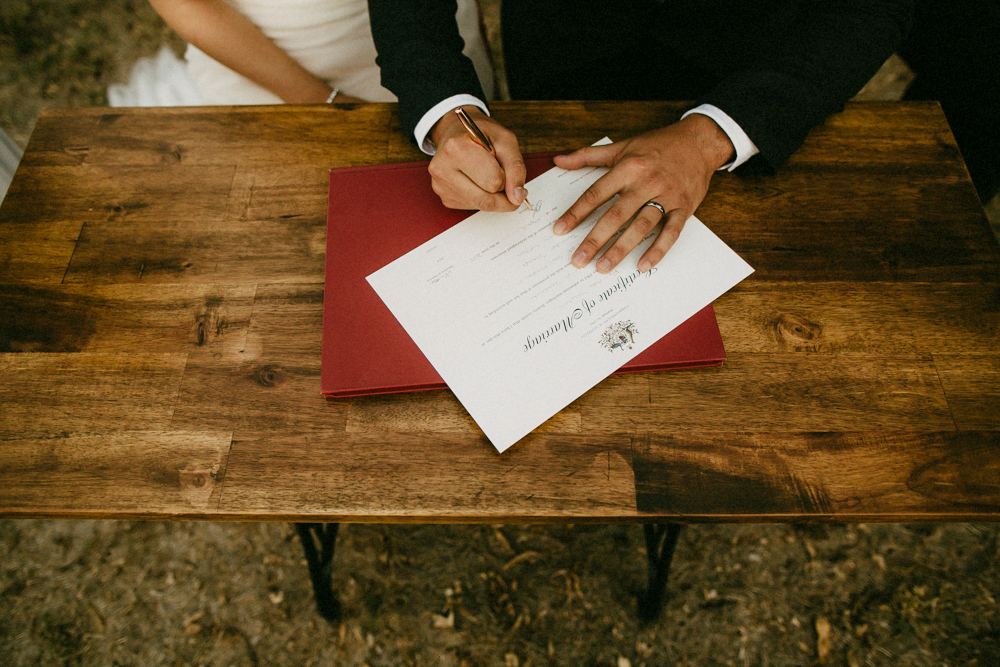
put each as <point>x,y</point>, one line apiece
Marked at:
<point>619,336</point>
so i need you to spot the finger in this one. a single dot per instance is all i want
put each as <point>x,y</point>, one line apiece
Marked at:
<point>458,191</point>
<point>477,163</point>
<point>642,224</point>
<point>512,164</point>
<point>612,220</point>
<point>588,156</point>
<point>594,197</point>
<point>466,177</point>
<point>668,236</point>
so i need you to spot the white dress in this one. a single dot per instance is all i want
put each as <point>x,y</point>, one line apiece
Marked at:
<point>330,38</point>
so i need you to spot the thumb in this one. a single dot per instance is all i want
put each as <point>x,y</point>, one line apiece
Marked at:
<point>515,172</point>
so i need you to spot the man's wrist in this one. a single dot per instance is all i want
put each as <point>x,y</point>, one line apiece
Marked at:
<point>743,146</point>
<point>444,126</point>
<point>422,133</point>
<point>713,144</point>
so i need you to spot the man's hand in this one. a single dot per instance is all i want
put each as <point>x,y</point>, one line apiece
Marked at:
<point>466,176</point>
<point>671,166</point>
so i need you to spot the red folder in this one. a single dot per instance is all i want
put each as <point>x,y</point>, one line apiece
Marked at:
<point>379,213</point>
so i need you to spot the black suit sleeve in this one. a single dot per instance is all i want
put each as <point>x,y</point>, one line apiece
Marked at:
<point>832,48</point>
<point>790,83</point>
<point>420,55</point>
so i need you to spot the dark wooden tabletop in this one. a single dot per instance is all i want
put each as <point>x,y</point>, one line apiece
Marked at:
<point>161,285</point>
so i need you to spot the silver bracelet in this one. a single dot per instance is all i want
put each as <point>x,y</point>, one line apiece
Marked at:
<point>333,95</point>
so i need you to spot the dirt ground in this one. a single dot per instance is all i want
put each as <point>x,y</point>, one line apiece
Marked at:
<point>177,593</point>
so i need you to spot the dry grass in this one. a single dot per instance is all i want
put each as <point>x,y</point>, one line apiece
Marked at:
<point>101,593</point>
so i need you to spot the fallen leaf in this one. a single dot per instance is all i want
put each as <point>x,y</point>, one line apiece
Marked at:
<point>96,618</point>
<point>469,617</point>
<point>192,629</point>
<point>510,660</point>
<point>444,621</point>
<point>624,662</point>
<point>277,596</point>
<point>193,618</point>
<point>504,544</point>
<point>822,639</point>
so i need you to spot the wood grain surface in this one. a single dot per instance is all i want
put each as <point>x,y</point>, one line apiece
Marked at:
<point>161,290</point>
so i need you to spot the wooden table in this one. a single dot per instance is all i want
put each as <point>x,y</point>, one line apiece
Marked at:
<point>161,284</point>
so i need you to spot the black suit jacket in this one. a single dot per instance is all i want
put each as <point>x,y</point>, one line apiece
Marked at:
<point>777,67</point>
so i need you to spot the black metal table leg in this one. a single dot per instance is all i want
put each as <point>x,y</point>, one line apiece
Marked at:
<point>660,543</point>
<point>320,562</point>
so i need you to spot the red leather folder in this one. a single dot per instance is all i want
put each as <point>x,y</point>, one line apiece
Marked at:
<point>379,213</point>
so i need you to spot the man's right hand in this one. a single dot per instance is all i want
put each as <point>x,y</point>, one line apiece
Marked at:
<point>466,176</point>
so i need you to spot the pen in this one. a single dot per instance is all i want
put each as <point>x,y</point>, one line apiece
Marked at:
<point>479,137</point>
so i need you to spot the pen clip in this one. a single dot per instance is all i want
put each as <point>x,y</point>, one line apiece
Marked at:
<point>474,130</point>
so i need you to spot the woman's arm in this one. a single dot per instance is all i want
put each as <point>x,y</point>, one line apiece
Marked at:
<point>230,38</point>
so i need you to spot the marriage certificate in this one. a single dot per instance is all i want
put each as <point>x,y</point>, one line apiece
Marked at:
<point>516,331</point>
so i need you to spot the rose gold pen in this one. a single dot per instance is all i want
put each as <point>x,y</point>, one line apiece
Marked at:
<point>479,137</point>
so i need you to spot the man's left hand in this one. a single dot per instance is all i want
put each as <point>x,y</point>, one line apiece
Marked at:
<point>671,166</point>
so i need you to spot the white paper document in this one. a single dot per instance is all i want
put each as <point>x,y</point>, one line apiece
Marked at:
<point>516,331</point>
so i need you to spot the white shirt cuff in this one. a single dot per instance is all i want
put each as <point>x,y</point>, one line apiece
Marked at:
<point>745,149</point>
<point>436,113</point>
